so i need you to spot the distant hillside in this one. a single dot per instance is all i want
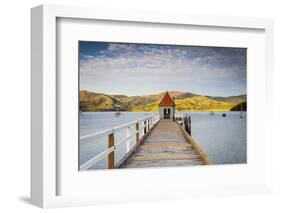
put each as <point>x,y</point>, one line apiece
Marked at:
<point>203,103</point>
<point>237,107</point>
<point>90,101</point>
<point>232,99</point>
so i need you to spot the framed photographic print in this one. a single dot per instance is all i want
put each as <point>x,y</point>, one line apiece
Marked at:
<point>137,103</point>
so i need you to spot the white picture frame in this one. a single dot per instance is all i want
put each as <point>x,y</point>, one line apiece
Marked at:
<point>45,170</point>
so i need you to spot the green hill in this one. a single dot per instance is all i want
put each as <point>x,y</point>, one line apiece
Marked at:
<point>90,101</point>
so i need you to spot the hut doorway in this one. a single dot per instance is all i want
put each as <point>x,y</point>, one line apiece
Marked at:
<point>167,113</point>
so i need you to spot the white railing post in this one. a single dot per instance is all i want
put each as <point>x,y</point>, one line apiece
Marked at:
<point>142,128</point>
<point>128,141</point>
<point>156,118</point>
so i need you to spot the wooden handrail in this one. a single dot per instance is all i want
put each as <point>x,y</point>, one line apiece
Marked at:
<point>109,131</point>
<point>126,139</point>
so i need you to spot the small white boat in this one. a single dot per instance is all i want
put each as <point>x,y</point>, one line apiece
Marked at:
<point>212,113</point>
<point>117,114</point>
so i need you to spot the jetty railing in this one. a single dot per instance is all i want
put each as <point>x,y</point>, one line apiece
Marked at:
<point>184,120</point>
<point>141,127</point>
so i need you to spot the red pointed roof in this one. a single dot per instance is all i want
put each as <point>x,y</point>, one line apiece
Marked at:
<point>167,100</point>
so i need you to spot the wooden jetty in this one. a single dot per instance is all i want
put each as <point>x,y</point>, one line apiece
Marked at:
<point>166,145</point>
<point>156,140</point>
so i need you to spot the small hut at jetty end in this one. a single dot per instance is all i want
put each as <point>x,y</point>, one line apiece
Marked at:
<point>167,107</point>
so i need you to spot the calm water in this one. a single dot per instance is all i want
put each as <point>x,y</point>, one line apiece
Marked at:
<point>223,139</point>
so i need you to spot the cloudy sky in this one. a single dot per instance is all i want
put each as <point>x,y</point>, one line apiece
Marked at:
<point>140,69</point>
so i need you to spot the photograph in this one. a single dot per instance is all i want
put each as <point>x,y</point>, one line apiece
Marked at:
<point>145,105</point>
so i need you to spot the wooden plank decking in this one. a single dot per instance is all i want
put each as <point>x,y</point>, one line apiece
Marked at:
<point>166,145</point>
